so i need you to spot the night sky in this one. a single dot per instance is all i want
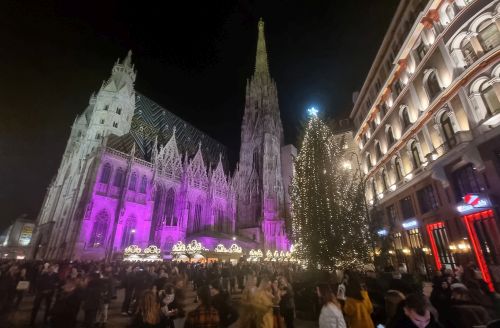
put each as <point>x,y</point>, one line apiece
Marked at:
<point>192,57</point>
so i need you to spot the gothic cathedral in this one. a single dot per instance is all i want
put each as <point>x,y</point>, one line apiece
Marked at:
<point>135,173</point>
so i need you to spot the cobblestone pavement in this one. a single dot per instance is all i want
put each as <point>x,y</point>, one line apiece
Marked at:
<point>21,317</point>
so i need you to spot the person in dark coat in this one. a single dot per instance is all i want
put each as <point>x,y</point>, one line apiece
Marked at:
<point>46,286</point>
<point>127,282</point>
<point>221,300</point>
<point>287,303</point>
<point>92,298</point>
<point>414,312</point>
<point>8,284</point>
<point>65,309</point>
<point>463,312</point>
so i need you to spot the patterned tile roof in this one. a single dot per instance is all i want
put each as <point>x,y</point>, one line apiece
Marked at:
<point>152,120</point>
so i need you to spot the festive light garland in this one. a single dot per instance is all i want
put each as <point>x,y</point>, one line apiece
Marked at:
<point>329,226</point>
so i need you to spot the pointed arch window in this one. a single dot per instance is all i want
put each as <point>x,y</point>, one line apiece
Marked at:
<point>432,85</point>
<point>255,161</point>
<point>219,219</point>
<point>99,230</point>
<point>415,154</point>
<point>128,235</point>
<point>106,173</point>
<point>197,217</point>
<point>144,184</point>
<point>447,127</point>
<point>157,212</point>
<point>169,207</point>
<point>390,136</point>
<point>118,110</point>
<point>118,182</point>
<point>133,182</point>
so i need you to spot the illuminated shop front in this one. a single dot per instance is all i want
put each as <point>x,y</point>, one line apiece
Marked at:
<point>478,217</point>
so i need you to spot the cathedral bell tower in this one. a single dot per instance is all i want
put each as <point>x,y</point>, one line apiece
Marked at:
<point>112,109</point>
<point>260,184</point>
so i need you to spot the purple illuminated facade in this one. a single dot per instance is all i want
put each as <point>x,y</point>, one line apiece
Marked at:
<point>134,173</point>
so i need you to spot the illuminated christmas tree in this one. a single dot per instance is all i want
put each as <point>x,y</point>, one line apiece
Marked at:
<point>329,222</point>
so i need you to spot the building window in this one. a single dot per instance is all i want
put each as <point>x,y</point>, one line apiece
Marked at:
<point>369,162</point>
<point>374,190</point>
<point>128,233</point>
<point>420,51</point>
<point>106,107</point>
<point>255,161</point>
<point>373,125</point>
<point>397,87</point>
<point>465,181</point>
<point>489,36</point>
<point>197,218</point>
<point>98,136</point>
<point>383,109</point>
<point>390,136</point>
<point>438,232</point>
<point>102,121</point>
<point>399,169</point>
<point>427,199</point>
<point>432,85</point>
<point>118,110</point>
<point>219,219</point>
<point>415,154</point>
<point>406,118</point>
<point>407,207</point>
<point>169,207</point>
<point>397,240</point>
<point>99,230</point>
<point>115,125</point>
<point>391,215</point>
<point>133,182</point>
<point>415,238</point>
<point>491,100</point>
<point>144,184</point>
<point>449,134</point>
<point>106,173</point>
<point>118,182</point>
<point>378,151</point>
<point>157,213</point>
<point>470,55</point>
<point>385,181</point>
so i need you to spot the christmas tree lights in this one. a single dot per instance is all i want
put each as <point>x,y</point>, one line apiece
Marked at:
<point>329,223</point>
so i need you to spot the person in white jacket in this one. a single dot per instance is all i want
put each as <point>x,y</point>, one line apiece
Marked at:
<point>331,315</point>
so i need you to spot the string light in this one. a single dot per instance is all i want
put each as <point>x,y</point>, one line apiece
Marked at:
<point>328,218</point>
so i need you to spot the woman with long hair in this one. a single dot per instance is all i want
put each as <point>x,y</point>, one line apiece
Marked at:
<point>148,314</point>
<point>331,314</point>
<point>358,306</point>
<point>263,302</point>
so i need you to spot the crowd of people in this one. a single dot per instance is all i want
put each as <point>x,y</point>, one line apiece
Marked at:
<point>268,295</point>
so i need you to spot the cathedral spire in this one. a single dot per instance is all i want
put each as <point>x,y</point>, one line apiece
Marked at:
<point>261,66</point>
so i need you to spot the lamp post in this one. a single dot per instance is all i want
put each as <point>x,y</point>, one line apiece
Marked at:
<point>347,166</point>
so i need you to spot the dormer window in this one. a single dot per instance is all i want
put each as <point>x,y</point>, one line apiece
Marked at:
<point>118,110</point>
<point>106,107</point>
<point>115,125</point>
<point>98,136</point>
<point>102,121</point>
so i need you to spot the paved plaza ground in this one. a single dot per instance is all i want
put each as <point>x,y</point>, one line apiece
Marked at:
<point>21,317</point>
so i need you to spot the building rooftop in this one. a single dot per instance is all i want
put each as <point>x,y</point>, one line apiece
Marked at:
<point>151,121</point>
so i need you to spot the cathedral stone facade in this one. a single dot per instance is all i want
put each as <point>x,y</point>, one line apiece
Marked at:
<point>134,173</point>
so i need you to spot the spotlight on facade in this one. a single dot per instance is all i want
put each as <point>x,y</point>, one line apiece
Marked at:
<point>234,238</point>
<point>132,231</point>
<point>434,156</point>
<point>393,187</point>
